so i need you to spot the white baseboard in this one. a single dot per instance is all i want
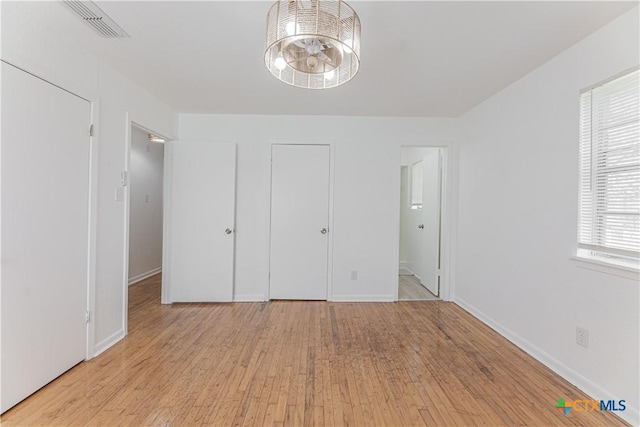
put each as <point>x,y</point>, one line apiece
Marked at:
<point>106,343</point>
<point>140,277</point>
<point>336,298</point>
<point>631,414</point>
<point>362,298</point>
<point>249,298</point>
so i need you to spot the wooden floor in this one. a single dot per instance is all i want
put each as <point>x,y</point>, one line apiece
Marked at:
<point>410,289</point>
<point>304,363</point>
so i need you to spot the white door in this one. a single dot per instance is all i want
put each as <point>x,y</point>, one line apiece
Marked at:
<point>45,200</point>
<point>299,221</point>
<point>202,220</point>
<point>430,251</point>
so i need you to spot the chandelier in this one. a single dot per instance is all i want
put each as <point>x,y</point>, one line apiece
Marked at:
<point>313,44</point>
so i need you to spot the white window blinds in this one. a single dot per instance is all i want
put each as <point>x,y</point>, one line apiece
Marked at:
<point>417,177</point>
<point>609,198</point>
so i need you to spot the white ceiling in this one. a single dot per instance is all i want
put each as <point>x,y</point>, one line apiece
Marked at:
<point>419,58</point>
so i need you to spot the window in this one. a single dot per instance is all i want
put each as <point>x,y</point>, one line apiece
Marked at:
<point>417,177</point>
<point>609,195</point>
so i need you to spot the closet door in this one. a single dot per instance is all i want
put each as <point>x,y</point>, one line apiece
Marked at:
<point>45,208</point>
<point>202,217</point>
<point>299,221</point>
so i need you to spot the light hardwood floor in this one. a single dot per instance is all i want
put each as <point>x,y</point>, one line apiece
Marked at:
<point>304,363</point>
<point>410,289</point>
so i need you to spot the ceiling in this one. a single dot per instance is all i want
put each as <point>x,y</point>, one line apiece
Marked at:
<point>419,58</point>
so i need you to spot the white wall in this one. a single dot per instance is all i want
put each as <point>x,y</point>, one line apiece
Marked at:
<point>145,208</point>
<point>517,223</point>
<point>366,193</point>
<point>34,37</point>
<point>410,155</point>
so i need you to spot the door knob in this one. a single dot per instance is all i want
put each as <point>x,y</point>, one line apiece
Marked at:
<point>421,226</point>
<point>323,231</point>
<point>228,231</point>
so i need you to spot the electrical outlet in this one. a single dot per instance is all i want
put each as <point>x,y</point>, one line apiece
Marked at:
<point>146,198</point>
<point>582,337</point>
<point>354,274</point>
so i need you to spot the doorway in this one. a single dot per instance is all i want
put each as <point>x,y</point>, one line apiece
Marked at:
<point>299,236</point>
<point>419,270</point>
<point>145,180</point>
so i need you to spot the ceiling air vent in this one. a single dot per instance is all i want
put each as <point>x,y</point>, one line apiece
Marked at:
<point>94,16</point>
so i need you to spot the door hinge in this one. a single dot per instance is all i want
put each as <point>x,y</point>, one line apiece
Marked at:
<point>87,316</point>
<point>91,130</point>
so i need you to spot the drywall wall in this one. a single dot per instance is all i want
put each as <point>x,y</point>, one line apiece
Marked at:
<point>517,223</point>
<point>34,37</point>
<point>145,206</point>
<point>366,156</point>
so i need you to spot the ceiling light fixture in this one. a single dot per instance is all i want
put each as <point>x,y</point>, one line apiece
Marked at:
<point>155,138</point>
<point>313,44</point>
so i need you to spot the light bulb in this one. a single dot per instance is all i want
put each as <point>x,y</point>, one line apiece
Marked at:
<point>280,63</point>
<point>155,138</point>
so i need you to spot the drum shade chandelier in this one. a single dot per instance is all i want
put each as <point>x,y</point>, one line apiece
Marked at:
<point>313,44</point>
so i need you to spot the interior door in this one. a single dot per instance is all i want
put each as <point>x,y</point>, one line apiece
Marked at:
<point>430,251</point>
<point>202,218</point>
<point>299,221</point>
<point>45,229</point>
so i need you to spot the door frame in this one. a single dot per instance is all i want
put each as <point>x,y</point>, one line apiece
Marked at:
<point>301,141</point>
<point>127,214</point>
<point>446,218</point>
<point>92,258</point>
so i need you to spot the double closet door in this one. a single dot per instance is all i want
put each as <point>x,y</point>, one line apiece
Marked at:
<point>201,212</point>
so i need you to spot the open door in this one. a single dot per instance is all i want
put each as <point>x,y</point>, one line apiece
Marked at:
<point>420,223</point>
<point>430,230</point>
<point>201,213</point>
